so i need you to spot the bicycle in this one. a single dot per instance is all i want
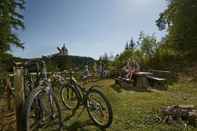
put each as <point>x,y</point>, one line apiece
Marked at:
<point>41,109</point>
<point>99,108</point>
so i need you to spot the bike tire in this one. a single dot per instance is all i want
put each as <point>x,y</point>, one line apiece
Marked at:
<point>74,92</point>
<point>109,108</point>
<point>29,104</point>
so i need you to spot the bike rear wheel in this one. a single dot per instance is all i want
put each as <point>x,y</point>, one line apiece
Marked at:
<point>99,108</point>
<point>70,97</point>
<point>41,112</point>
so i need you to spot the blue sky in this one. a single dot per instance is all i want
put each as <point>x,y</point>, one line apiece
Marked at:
<point>88,27</point>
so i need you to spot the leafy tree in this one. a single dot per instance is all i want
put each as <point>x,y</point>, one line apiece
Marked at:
<point>148,45</point>
<point>180,21</point>
<point>143,51</point>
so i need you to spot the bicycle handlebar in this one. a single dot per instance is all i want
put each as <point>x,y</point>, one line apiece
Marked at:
<point>37,66</point>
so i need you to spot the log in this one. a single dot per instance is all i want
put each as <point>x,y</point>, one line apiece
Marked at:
<point>180,113</point>
<point>193,117</point>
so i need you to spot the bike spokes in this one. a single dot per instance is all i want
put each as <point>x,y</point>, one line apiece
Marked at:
<point>43,114</point>
<point>98,109</point>
<point>69,98</point>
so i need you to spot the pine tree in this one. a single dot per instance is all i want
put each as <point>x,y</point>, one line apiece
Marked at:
<point>11,20</point>
<point>131,44</point>
<point>127,46</point>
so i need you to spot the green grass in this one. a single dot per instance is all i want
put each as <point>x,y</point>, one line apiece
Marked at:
<point>131,108</point>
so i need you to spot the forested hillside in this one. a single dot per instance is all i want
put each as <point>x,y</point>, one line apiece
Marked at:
<point>59,63</point>
<point>55,63</point>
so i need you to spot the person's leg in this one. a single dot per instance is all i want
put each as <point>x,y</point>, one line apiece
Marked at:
<point>128,75</point>
<point>131,74</point>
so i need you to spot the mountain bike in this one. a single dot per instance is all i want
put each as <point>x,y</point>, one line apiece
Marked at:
<point>99,108</point>
<point>41,109</point>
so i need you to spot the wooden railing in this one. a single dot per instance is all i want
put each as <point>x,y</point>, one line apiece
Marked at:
<point>17,88</point>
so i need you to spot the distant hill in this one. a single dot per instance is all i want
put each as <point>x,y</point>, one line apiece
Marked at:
<point>54,63</point>
<point>66,62</point>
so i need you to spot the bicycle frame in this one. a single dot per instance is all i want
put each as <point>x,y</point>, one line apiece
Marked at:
<point>81,91</point>
<point>42,81</point>
<point>87,98</point>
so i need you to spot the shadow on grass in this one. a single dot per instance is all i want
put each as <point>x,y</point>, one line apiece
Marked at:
<point>128,87</point>
<point>159,86</point>
<point>79,125</point>
<point>117,88</point>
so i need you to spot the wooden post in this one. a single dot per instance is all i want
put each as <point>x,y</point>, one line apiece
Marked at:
<point>19,87</point>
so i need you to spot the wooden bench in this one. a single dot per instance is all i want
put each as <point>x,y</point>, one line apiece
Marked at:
<point>157,82</point>
<point>156,78</point>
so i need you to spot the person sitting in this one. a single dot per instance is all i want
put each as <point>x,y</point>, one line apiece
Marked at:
<point>131,68</point>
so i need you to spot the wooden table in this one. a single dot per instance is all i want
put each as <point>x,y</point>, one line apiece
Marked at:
<point>141,80</point>
<point>140,73</point>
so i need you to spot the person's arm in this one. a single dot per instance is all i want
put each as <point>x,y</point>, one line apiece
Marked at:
<point>125,68</point>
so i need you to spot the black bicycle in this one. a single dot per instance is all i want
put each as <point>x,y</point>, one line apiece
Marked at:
<point>41,110</point>
<point>99,108</point>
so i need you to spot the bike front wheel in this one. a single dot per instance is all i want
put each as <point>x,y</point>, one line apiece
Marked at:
<point>99,108</point>
<point>41,112</point>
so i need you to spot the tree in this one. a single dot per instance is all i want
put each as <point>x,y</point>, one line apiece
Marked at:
<point>148,45</point>
<point>143,51</point>
<point>11,20</point>
<point>105,59</point>
<point>127,46</point>
<point>131,44</point>
<point>180,21</point>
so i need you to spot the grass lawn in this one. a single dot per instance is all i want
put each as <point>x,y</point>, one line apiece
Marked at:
<point>132,109</point>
